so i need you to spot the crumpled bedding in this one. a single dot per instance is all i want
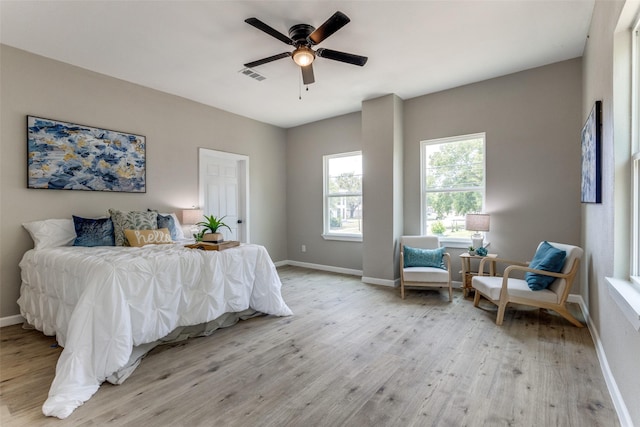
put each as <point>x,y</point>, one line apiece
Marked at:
<point>100,302</point>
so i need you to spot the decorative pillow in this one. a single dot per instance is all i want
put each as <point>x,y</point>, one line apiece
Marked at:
<point>132,220</point>
<point>93,232</point>
<point>168,223</point>
<point>51,233</point>
<point>148,237</point>
<point>547,258</point>
<point>416,257</point>
<point>174,227</point>
<point>179,231</point>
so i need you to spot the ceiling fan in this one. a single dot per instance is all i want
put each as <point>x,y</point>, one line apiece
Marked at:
<point>303,37</point>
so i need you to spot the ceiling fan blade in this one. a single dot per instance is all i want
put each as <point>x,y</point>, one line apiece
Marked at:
<point>330,26</point>
<point>349,58</point>
<point>307,74</point>
<point>269,30</point>
<point>266,60</point>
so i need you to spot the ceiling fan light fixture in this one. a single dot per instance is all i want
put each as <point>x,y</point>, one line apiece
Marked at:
<point>303,56</point>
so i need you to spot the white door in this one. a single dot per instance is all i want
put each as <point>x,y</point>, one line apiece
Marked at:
<point>223,191</point>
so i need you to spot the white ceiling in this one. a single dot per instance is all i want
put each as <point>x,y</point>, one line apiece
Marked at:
<point>195,49</point>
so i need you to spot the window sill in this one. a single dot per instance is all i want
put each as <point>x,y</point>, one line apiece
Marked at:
<point>343,237</point>
<point>627,295</point>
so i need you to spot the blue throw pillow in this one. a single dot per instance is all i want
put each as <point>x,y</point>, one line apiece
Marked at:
<point>416,257</point>
<point>547,258</point>
<point>166,221</point>
<point>93,232</point>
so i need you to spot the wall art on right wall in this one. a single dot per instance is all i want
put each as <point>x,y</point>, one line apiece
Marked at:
<point>591,187</point>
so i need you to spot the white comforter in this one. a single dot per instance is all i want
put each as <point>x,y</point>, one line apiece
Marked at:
<point>100,302</point>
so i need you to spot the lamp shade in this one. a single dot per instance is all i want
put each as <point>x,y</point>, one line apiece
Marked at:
<point>192,216</point>
<point>477,222</point>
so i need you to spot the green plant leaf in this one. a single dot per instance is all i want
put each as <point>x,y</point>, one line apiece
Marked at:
<point>213,224</point>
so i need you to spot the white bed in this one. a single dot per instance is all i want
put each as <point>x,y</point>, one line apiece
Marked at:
<point>102,302</point>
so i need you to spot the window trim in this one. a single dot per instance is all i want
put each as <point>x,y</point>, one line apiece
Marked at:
<point>635,154</point>
<point>635,220</point>
<point>452,241</point>
<point>626,292</point>
<point>326,230</point>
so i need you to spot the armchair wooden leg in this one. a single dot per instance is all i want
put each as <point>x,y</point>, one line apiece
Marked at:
<point>402,290</point>
<point>450,293</point>
<point>476,298</point>
<point>565,313</point>
<point>501,309</point>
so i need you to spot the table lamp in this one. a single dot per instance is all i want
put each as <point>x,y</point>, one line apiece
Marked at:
<point>190,217</point>
<point>477,222</point>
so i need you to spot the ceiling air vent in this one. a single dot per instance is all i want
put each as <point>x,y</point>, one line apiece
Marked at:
<point>250,73</point>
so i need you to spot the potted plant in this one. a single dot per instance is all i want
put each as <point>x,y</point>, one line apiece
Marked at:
<point>472,250</point>
<point>210,227</point>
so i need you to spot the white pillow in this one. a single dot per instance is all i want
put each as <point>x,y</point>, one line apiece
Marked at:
<point>51,233</point>
<point>187,232</point>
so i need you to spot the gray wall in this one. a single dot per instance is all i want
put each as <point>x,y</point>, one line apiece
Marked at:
<point>532,120</point>
<point>382,188</point>
<point>532,124</point>
<point>620,341</point>
<point>305,147</point>
<point>174,128</point>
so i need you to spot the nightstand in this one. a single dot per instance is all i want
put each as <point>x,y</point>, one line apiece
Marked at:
<point>468,273</point>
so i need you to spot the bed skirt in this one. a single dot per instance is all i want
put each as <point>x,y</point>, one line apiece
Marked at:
<point>179,334</point>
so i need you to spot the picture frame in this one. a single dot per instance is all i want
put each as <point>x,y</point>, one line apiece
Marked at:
<point>68,156</point>
<point>591,140</point>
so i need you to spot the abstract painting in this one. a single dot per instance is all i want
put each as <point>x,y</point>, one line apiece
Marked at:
<point>67,156</point>
<point>591,189</point>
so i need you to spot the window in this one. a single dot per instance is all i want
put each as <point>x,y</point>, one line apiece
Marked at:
<point>624,287</point>
<point>343,196</point>
<point>453,183</point>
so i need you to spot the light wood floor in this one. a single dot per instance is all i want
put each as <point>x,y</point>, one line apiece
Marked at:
<point>352,355</point>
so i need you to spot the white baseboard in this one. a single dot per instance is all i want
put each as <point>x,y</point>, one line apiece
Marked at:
<point>370,280</point>
<point>577,299</point>
<point>11,320</point>
<point>332,269</point>
<point>612,386</point>
<point>381,282</point>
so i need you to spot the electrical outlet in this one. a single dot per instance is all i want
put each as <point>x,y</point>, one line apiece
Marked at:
<point>303,248</point>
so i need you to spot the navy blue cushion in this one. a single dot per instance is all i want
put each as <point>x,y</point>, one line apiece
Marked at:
<point>93,232</point>
<point>547,258</point>
<point>166,221</point>
<point>417,257</point>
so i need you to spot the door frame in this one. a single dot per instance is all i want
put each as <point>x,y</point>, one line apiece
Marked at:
<point>243,185</point>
